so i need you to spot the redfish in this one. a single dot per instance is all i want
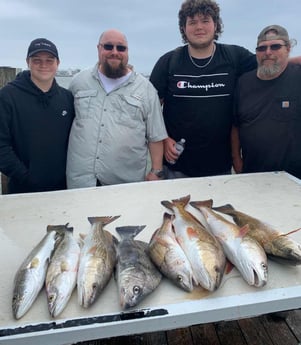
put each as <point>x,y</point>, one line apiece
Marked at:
<point>169,256</point>
<point>245,253</point>
<point>276,244</point>
<point>203,251</point>
<point>97,261</point>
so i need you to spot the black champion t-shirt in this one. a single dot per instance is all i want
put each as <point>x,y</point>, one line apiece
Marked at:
<point>198,105</point>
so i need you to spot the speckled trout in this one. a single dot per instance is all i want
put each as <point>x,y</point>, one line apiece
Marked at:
<point>136,274</point>
<point>30,277</point>
<point>276,244</point>
<point>62,271</point>
<point>204,252</point>
<point>243,251</point>
<point>97,261</point>
<point>169,256</point>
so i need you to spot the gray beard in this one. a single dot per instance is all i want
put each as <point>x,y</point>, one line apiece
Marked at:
<point>269,71</point>
<point>114,73</point>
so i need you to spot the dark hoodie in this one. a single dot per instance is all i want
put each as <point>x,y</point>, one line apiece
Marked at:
<point>34,132</point>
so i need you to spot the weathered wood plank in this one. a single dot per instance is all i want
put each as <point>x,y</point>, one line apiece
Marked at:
<point>229,333</point>
<point>279,331</point>
<point>262,330</point>
<point>254,332</point>
<point>204,334</point>
<point>179,336</point>
<point>294,322</point>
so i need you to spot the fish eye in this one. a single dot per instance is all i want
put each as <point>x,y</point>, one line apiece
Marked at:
<point>264,266</point>
<point>51,298</point>
<point>136,290</point>
<point>180,278</point>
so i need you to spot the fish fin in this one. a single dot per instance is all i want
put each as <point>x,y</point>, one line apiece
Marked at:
<point>81,240</point>
<point>204,203</point>
<point>224,208</point>
<point>244,230</point>
<point>290,232</point>
<point>34,262</point>
<point>82,236</point>
<point>92,250</point>
<point>129,231</point>
<point>64,266</point>
<point>104,220</point>
<point>228,267</point>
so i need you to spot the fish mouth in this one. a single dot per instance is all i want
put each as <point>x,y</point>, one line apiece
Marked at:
<point>258,282</point>
<point>260,276</point>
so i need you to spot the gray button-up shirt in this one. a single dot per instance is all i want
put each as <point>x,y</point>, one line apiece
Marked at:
<point>110,133</point>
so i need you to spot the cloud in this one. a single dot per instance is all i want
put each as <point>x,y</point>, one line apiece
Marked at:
<point>150,26</point>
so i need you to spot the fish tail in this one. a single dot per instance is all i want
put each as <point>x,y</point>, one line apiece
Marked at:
<point>167,204</point>
<point>104,219</point>
<point>168,216</point>
<point>129,231</point>
<point>60,229</point>
<point>204,203</point>
<point>182,202</point>
<point>228,209</point>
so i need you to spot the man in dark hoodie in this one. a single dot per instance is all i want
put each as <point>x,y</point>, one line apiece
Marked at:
<point>35,119</point>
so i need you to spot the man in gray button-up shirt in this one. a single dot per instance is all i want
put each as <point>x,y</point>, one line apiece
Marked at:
<point>118,119</point>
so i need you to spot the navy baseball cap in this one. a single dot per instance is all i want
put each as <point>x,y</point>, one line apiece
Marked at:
<point>42,45</point>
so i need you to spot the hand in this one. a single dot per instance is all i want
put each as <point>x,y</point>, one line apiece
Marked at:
<point>170,152</point>
<point>152,177</point>
<point>237,164</point>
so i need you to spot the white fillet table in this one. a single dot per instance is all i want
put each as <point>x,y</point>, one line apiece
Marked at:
<point>273,197</point>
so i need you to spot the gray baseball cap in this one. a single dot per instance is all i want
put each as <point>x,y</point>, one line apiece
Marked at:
<point>273,32</point>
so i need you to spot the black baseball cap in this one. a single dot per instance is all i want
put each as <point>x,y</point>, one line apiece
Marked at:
<point>42,45</point>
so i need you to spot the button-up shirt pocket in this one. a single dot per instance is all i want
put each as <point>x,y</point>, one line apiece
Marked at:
<point>83,102</point>
<point>129,111</point>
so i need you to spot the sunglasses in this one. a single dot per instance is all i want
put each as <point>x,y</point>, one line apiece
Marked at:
<point>108,46</point>
<point>274,47</point>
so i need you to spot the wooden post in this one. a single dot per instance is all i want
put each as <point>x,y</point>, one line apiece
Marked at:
<point>6,74</point>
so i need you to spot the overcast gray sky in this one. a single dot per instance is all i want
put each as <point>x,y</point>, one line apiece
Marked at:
<point>151,27</point>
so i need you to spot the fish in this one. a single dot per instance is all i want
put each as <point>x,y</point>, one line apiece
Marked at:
<point>243,251</point>
<point>203,251</point>
<point>30,277</point>
<point>97,261</point>
<point>136,274</point>
<point>276,244</point>
<point>168,255</point>
<point>62,271</point>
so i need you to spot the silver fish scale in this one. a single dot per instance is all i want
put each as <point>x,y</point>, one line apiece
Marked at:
<point>30,277</point>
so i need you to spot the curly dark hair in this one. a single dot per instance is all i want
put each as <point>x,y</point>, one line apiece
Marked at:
<point>190,8</point>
